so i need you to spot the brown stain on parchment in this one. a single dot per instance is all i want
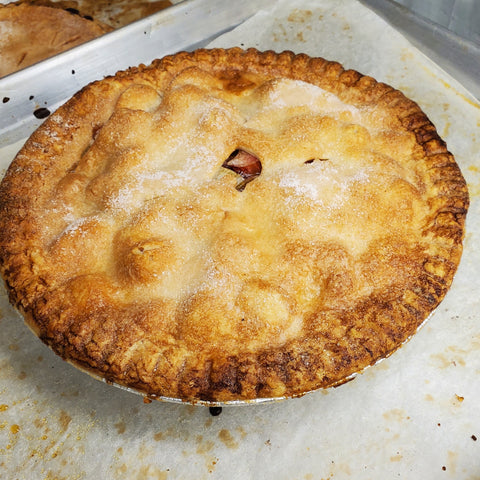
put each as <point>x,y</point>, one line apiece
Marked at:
<point>167,434</point>
<point>396,415</point>
<point>441,361</point>
<point>145,472</point>
<point>121,427</point>
<point>226,437</point>
<point>452,458</point>
<point>457,400</point>
<point>55,433</point>
<point>14,428</point>
<point>446,129</point>
<point>150,472</point>
<point>241,432</point>
<point>208,423</point>
<point>64,420</point>
<point>447,85</point>
<point>300,16</point>
<point>451,403</point>
<point>73,393</point>
<point>211,464</point>
<point>406,55</point>
<point>203,446</point>
<point>51,475</point>
<point>474,186</point>
<point>454,356</point>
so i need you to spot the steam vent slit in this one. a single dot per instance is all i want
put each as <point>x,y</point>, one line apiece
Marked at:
<point>245,164</point>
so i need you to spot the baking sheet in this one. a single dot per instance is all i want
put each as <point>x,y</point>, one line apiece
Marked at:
<point>46,85</point>
<point>457,55</point>
<point>414,415</point>
<point>459,16</point>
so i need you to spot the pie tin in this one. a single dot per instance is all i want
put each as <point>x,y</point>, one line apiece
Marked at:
<point>226,403</point>
<point>253,401</point>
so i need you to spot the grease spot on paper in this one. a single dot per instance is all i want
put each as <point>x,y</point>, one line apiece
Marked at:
<point>226,437</point>
<point>396,415</point>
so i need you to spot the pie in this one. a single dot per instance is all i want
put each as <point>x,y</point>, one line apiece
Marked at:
<point>231,225</point>
<point>116,13</point>
<point>31,33</point>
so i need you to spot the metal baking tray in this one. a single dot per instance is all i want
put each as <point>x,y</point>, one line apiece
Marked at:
<point>459,56</point>
<point>43,87</point>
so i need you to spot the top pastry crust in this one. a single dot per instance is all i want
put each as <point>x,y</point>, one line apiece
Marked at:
<point>31,33</point>
<point>230,225</point>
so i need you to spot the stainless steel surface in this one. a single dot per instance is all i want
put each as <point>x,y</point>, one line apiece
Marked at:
<point>48,84</point>
<point>456,55</point>
<point>461,17</point>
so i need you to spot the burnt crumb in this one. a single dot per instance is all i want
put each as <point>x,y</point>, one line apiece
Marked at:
<point>74,11</point>
<point>215,411</point>
<point>73,72</point>
<point>444,468</point>
<point>31,97</point>
<point>311,160</point>
<point>41,112</point>
<point>474,438</point>
<point>6,99</point>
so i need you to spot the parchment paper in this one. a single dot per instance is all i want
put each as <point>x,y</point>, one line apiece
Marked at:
<point>416,415</point>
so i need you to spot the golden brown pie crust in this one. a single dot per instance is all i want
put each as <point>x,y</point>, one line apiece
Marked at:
<point>32,33</point>
<point>131,253</point>
<point>116,13</point>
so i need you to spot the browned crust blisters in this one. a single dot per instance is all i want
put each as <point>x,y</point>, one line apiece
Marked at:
<point>85,321</point>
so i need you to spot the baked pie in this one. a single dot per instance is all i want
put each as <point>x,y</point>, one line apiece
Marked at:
<point>231,225</point>
<point>31,33</point>
<point>116,13</point>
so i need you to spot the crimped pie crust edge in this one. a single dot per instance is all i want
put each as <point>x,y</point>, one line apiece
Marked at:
<point>375,329</point>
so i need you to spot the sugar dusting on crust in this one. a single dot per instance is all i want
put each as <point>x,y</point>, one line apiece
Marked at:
<point>287,93</point>
<point>77,225</point>
<point>182,166</point>
<point>325,183</point>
